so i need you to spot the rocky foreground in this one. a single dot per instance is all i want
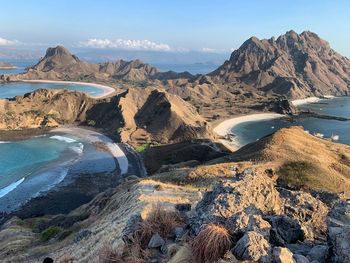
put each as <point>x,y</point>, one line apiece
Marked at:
<point>221,211</point>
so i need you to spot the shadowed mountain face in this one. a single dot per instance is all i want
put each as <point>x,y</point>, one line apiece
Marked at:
<point>296,65</point>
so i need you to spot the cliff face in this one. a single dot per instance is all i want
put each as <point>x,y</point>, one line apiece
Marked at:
<point>296,65</point>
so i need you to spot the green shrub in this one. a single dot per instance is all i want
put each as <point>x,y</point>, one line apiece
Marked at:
<point>50,233</point>
<point>297,174</point>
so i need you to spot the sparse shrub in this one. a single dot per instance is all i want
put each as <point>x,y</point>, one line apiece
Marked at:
<point>296,174</point>
<point>211,244</point>
<point>50,233</point>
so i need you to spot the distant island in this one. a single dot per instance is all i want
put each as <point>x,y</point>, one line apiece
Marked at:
<point>5,65</point>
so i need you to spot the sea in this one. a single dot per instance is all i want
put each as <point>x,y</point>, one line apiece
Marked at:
<point>32,166</point>
<point>248,132</point>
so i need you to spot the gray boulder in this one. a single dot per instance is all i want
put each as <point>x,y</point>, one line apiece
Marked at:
<point>252,246</point>
<point>240,223</point>
<point>285,230</point>
<point>318,253</point>
<point>156,241</point>
<point>231,196</point>
<point>300,258</point>
<point>310,212</point>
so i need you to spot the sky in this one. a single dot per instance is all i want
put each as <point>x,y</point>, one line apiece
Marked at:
<point>177,26</point>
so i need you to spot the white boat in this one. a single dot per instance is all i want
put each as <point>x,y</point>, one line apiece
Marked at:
<point>335,137</point>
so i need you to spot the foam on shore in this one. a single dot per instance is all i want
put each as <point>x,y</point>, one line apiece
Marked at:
<point>63,139</point>
<point>4,191</point>
<point>94,137</point>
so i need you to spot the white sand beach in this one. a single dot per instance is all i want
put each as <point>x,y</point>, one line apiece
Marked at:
<point>305,101</point>
<point>106,89</point>
<point>224,128</point>
<point>92,137</point>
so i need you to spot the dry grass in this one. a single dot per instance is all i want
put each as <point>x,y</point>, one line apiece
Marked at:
<point>316,163</point>
<point>158,220</point>
<point>124,254</point>
<point>211,244</point>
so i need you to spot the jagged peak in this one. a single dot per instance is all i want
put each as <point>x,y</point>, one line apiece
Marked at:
<point>58,50</point>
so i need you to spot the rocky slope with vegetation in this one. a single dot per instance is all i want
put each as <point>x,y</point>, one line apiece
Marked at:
<point>222,211</point>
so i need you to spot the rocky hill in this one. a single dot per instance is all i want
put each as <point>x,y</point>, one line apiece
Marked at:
<point>59,64</point>
<point>44,108</point>
<point>226,211</point>
<point>296,65</point>
<point>138,116</point>
<point>301,160</point>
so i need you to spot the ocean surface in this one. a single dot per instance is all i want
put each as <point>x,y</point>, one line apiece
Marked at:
<point>10,90</point>
<point>20,65</point>
<point>197,68</point>
<point>251,131</point>
<point>29,167</point>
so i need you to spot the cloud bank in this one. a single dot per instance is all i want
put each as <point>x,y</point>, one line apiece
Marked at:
<point>7,42</point>
<point>125,44</point>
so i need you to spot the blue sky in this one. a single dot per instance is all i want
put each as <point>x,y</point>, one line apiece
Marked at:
<point>177,25</point>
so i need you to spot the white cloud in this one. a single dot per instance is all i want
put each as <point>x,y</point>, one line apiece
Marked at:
<point>7,42</point>
<point>125,44</point>
<point>213,50</point>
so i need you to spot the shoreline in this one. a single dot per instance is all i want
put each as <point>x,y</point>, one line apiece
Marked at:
<point>224,128</point>
<point>118,153</point>
<point>300,102</point>
<point>93,137</point>
<point>107,90</point>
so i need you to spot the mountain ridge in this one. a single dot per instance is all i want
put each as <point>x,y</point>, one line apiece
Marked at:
<point>295,65</point>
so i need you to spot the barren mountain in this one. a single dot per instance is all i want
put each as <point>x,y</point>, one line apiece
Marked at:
<point>296,65</point>
<point>138,116</point>
<point>59,64</point>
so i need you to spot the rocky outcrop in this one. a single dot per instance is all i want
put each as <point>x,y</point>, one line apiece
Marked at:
<point>267,223</point>
<point>44,108</point>
<point>295,65</point>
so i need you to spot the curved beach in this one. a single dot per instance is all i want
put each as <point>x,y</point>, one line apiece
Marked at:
<point>93,137</point>
<point>224,128</point>
<point>107,91</point>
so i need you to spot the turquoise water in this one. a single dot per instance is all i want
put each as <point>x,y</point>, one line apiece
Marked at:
<point>35,165</point>
<point>251,131</point>
<point>10,90</point>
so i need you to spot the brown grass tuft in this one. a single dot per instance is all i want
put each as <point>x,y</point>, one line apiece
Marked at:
<point>211,244</point>
<point>158,220</point>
